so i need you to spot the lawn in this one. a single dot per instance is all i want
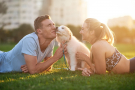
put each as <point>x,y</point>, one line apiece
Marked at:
<point>61,79</point>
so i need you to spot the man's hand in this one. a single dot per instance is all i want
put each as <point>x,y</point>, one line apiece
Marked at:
<point>59,52</point>
<point>24,69</point>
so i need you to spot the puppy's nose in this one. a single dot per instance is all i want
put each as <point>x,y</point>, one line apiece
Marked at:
<point>56,29</point>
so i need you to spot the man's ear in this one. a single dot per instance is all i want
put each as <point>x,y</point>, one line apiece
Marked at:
<point>39,30</point>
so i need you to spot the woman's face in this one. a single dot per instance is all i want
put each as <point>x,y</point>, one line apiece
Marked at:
<point>84,32</point>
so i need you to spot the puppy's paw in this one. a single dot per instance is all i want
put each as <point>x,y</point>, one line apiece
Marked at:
<point>73,68</point>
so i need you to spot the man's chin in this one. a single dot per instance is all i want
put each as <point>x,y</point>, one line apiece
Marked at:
<point>54,36</point>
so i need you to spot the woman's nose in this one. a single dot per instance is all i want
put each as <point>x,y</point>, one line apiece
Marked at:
<point>80,32</point>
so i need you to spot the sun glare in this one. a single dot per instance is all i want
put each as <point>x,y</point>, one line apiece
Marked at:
<point>107,9</point>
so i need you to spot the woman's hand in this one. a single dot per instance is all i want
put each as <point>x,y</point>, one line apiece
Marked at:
<point>24,68</point>
<point>85,71</point>
<point>81,56</point>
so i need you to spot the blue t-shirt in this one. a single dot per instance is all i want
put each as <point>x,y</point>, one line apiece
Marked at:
<point>11,61</point>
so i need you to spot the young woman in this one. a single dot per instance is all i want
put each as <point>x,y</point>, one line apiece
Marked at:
<point>104,56</point>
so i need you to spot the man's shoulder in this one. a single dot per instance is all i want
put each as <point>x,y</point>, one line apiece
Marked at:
<point>32,37</point>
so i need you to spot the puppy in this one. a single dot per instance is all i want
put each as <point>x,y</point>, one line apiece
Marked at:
<point>63,33</point>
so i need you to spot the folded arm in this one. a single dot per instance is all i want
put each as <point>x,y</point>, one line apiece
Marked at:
<point>34,67</point>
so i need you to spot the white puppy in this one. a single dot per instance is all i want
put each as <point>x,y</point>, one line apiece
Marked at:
<point>73,46</point>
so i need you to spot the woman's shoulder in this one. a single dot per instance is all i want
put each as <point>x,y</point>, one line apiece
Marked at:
<point>99,45</point>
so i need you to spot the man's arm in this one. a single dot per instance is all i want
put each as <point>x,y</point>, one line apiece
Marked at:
<point>45,59</point>
<point>24,68</point>
<point>34,67</point>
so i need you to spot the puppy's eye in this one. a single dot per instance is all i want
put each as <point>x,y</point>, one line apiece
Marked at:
<point>62,27</point>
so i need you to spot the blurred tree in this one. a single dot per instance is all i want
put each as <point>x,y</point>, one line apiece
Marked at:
<point>15,35</point>
<point>75,30</point>
<point>2,35</point>
<point>20,32</point>
<point>120,33</point>
<point>132,33</point>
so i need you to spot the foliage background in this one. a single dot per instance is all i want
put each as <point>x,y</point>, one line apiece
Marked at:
<point>13,36</point>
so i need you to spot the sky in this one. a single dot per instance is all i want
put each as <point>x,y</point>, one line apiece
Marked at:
<point>109,9</point>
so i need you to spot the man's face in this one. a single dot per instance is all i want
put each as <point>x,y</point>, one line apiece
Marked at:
<point>48,29</point>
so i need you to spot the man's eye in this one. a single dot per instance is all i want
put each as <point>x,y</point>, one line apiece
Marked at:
<point>62,27</point>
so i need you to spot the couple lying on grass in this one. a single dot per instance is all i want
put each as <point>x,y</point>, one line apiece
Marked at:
<point>28,54</point>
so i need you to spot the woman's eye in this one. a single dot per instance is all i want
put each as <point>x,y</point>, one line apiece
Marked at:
<point>62,27</point>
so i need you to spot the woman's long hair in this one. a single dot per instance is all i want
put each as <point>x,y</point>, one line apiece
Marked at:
<point>101,30</point>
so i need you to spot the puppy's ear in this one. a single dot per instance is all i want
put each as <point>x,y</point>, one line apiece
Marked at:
<point>69,31</point>
<point>71,34</point>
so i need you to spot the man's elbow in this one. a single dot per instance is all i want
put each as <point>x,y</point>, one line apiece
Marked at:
<point>32,71</point>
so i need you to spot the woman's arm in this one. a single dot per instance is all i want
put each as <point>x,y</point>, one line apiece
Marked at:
<point>98,53</point>
<point>86,58</point>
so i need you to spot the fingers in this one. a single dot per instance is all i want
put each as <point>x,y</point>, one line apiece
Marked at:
<point>78,55</point>
<point>86,72</point>
<point>24,68</point>
<point>65,49</point>
<point>63,46</point>
<point>25,71</point>
<point>63,42</point>
<point>60,45</point>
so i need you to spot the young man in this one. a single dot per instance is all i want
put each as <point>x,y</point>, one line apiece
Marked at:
<point>27,55</point>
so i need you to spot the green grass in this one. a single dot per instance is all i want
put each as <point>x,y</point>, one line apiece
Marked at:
<point>60,79</point>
